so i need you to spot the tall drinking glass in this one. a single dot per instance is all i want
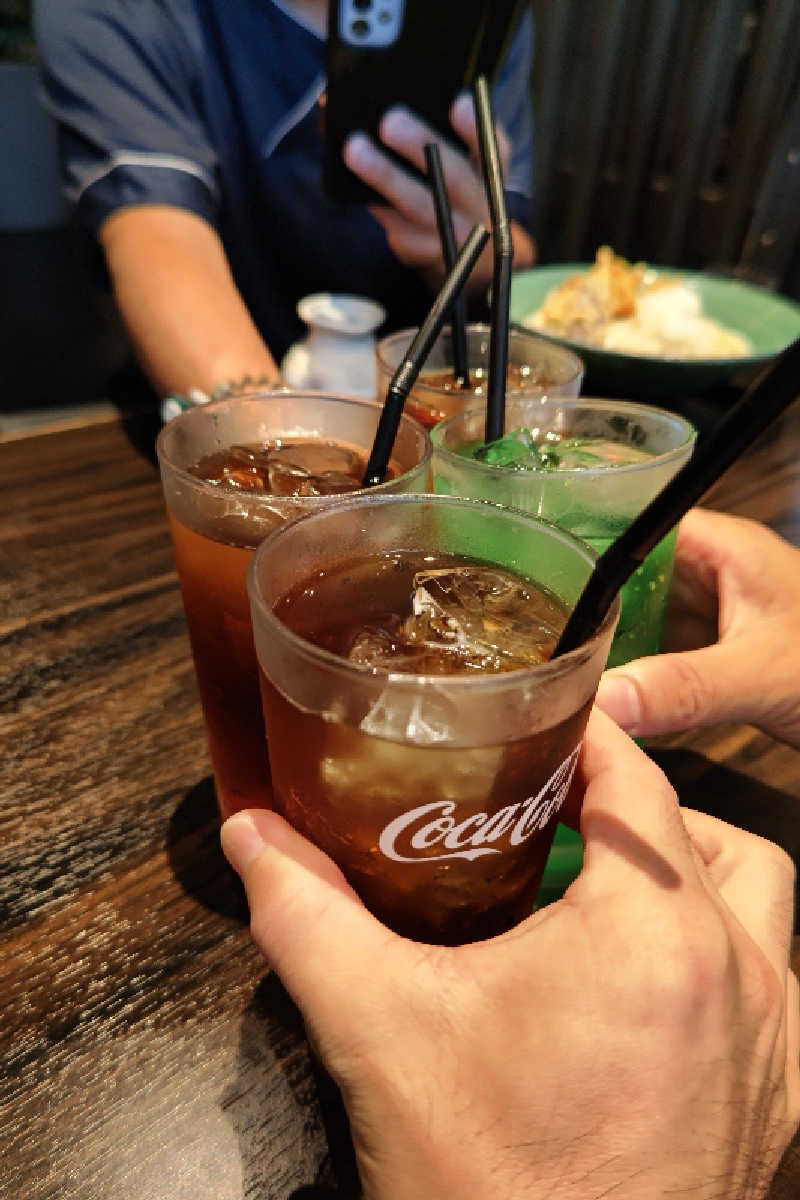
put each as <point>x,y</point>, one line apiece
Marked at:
<point>436,793</point>
<point>597,502</point>
<point>217,525</point>
<point>536,367</point>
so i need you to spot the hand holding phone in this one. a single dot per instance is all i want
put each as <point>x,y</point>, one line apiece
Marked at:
<point>405,208</point>
<point>411,53</point>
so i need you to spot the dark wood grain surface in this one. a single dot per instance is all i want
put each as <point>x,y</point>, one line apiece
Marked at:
<point>145,1051</point>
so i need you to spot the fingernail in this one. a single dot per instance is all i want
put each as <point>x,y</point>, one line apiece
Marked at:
<point>397,123</point>
<point>241,841</point>
<point>618,696</point>
<point>359,151</point>
<point>462,106</point>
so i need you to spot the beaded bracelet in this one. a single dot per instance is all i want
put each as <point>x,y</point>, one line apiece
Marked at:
<point>172,405</point>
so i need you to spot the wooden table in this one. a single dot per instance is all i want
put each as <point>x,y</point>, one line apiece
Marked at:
<point>146,1052</point>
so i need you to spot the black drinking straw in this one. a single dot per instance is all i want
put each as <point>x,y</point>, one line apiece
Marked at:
<point>503,257</point>
<point>406,374</point>
<point>447,236</point>
<point>765,399</point>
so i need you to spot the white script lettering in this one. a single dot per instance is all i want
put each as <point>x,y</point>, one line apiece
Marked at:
<point>433,824</point>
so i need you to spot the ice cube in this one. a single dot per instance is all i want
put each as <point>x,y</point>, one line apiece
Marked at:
<point>428,719</point>
<point>336,482</point>
<point>248,478</point>
<point>382,649</point>
<point>519,450</point>
<point>486,617</point>
<point>312,469</point>
<point>515,448</point>
<point>316,458</point>
<point>286,479</point>
<point>383,771</point>
<point>582,453</point>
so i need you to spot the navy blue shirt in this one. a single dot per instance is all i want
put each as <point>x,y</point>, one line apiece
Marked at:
<point>213,106</point>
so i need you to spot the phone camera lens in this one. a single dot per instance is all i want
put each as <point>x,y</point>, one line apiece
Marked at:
<point>360,27</point>
<point>362,5</point>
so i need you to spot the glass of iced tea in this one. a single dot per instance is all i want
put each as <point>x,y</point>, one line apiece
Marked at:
<point>232,471</point>
<point>536,367</point>
<point>417,730</point>
<point>589,465</point>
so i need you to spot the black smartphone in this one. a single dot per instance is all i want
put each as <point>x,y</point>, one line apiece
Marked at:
<point>418,53</point>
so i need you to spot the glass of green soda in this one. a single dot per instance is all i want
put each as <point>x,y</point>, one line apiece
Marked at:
<point>591,466</point>
<point>588,465</point>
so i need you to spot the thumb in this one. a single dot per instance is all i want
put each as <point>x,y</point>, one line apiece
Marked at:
<point>670,692</point>
<point>304,917</point>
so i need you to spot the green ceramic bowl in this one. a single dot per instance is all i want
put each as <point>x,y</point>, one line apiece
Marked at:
<point>768,320</point>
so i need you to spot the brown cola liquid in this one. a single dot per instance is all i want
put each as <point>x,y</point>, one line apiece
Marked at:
<point>287,468</point>
<point>213,577</point>
<point>351,792</point>
<point>429,409</point>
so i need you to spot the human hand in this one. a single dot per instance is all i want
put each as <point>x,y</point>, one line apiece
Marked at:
<point>639,1038</point>
<point>736,594</point>
<point>409,218</point>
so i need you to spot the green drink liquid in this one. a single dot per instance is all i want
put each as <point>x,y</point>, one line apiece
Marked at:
<point>522,450</point>
<point>644,595</point>
<point>531,454</point>
<point>643,598</point>
<point>638,633</point>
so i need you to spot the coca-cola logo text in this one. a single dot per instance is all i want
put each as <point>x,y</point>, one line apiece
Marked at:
<point>437,824</point>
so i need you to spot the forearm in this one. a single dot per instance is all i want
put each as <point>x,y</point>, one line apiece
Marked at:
<point>602,1174</point>
<point>186,319</point>
<point>415,1145</point>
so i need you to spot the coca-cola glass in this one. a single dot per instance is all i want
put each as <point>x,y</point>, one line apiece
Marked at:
<point>224,492</point>
<point>417,731</point>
